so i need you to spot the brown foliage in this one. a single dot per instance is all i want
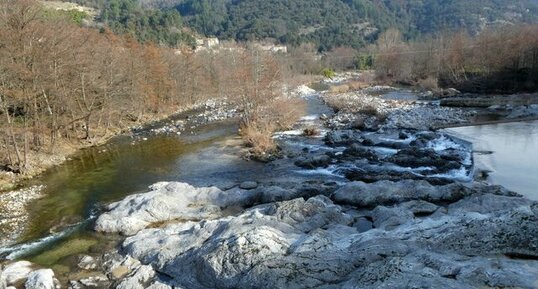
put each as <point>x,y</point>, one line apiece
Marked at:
<point>62,83</point>
<point>259,93</point>
<point>497,60</point>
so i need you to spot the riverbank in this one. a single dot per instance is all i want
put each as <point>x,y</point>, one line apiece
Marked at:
<point>15,205</point>
<point>414,224</point>
<point>207,111</point>
<point>367,195</point>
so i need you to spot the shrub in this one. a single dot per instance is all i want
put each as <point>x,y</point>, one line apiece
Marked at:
<point>311,131</point>
<point>328,72</point>
<point>429,83</point>
<point>258,136</point>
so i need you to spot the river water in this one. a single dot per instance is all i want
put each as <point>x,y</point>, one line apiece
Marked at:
<point>76,191</point>
<point>509,151</point>
<point>61,223</point>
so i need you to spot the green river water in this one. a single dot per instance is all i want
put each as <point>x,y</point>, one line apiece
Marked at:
<point>61,223</point>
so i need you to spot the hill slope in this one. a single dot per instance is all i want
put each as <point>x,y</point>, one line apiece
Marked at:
<point>330,23</point>
<point>346,22</point>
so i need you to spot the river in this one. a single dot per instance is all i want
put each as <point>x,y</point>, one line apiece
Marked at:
<point>61,222</point>
<point>509,151</point>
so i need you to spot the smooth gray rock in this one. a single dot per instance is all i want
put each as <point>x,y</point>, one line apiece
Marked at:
<point>17,271</point>
<point>41,279</point>
<point>361,194</point>
<point>488,203</point>
<point>164,202</point>
<point>248,185</point>
<point>388,218</point>
<point>312,162</point>
<point>363,225</point>
<point>314,243</point>
<point>275,194</point>
<point>420,208</point>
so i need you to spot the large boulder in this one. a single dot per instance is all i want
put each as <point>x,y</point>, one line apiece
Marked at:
<point>236,252</point>
<point>41,279</point>
<point>16,272</point>
<point>361,194</point>
<point>312,162</point>
<point>415,158</point>
<point>167,201</point>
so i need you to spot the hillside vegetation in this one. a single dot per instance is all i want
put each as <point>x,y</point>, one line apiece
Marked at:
<point>326,23</point>
<point>331,23</point>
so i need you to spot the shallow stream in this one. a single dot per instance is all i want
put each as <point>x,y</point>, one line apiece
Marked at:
<point>61,222</point>
<point>75,192</point>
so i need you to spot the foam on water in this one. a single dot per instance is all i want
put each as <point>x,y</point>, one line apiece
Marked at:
<point>460,174</point>
<point>24,249</point>
<point>313,147</point>
<point>405,141</point>
<point>418,171</point>
<point>311,117</point>
<point>21,250</point>
<point>443,143</point>
<point>328,171</point>
<point>385,151</point>
<point>294,132</point>
<point>468,160</point>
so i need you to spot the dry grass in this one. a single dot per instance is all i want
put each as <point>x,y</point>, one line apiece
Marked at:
<point>348,86</point>
<point>429,83</point>
<point>358,103</point>
<point>279,114</point>
<point>340,88</point>
<point>258,137</point>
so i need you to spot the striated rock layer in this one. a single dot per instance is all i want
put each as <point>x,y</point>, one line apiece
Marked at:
<point>375,237</point>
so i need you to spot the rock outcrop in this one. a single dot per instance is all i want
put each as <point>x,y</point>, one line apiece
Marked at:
<point>41,279</point>
<point>361,194</point>
<point>164,202</point>
<point>16,272</point>
<point>436,237</point>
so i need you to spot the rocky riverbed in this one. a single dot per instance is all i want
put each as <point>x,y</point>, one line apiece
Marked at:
<point>13,212</point>
<point>383,202</point>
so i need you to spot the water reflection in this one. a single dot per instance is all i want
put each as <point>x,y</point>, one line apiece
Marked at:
<point>514,161</point>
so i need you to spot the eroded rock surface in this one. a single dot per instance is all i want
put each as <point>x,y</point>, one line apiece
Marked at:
<point>41,279</point>
<point>164,202</point>
<point>388,193</point>
<point>446,237</point>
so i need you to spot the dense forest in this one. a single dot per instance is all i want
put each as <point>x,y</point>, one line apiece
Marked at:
<point>326,23</point>
<point>163,27</point>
